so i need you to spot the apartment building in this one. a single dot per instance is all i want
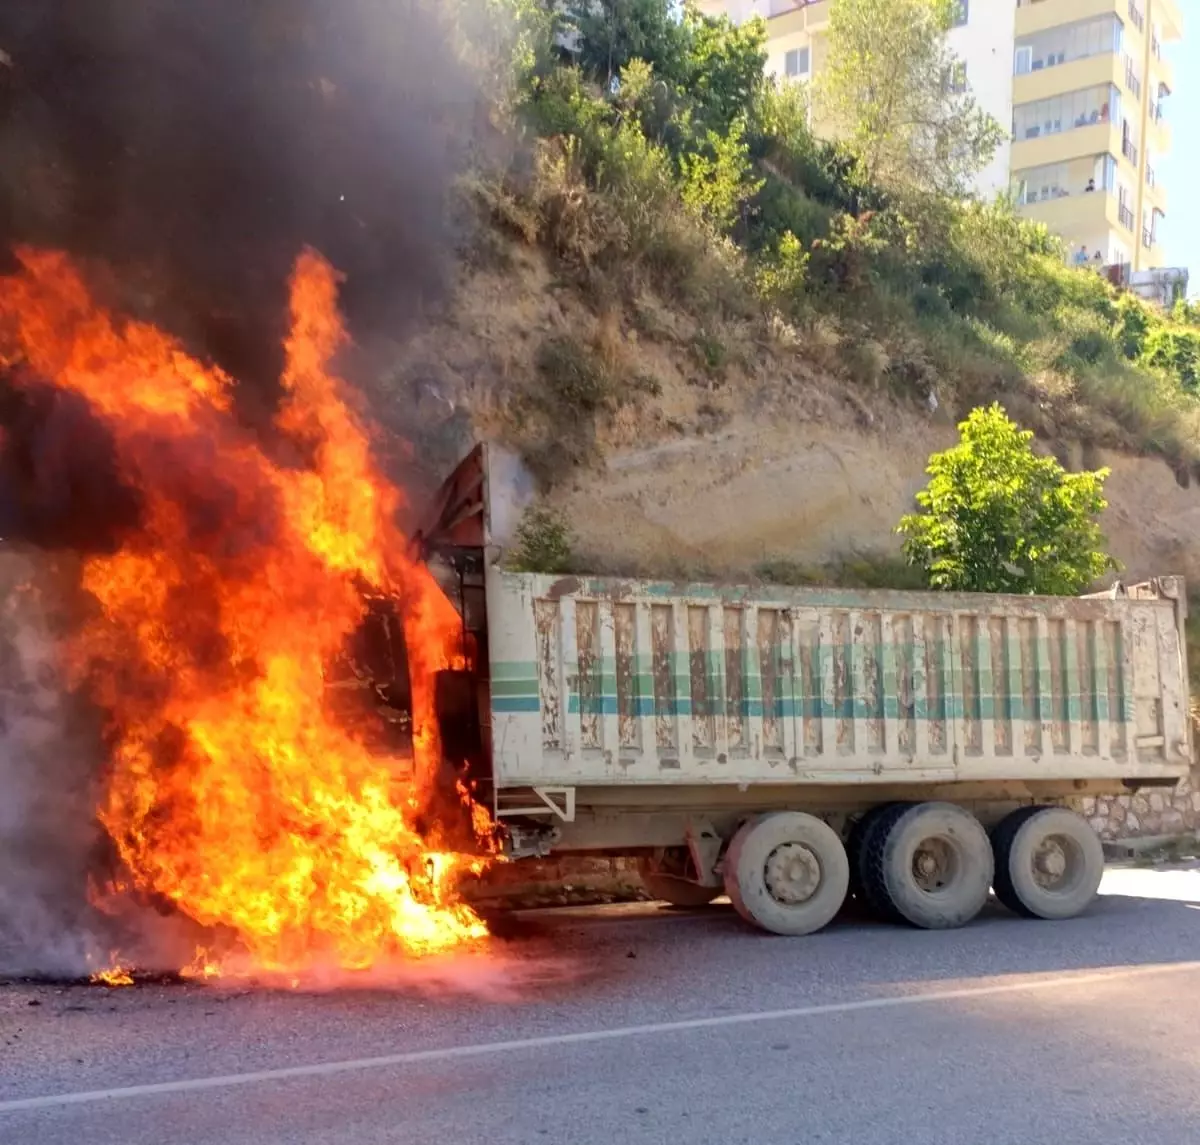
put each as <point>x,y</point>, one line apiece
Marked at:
<point>1083,84</point>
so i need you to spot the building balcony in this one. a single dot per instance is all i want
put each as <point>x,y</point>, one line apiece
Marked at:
<point>1158,130</point>
<point>1037,15</point>
<point>1071,212</point>
<point>1162,71</point>
<point>1093,71</point>
<point>1064,146</point>
<point>1170,19</point>
<point>786,17</point>
<point>1155,194</point>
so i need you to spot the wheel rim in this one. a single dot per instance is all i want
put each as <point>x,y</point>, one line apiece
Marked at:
<point>792,874</point>
<point>1058,864</point>
<point>936,864</point>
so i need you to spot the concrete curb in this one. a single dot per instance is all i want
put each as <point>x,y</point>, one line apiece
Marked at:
<point>1142,846</point>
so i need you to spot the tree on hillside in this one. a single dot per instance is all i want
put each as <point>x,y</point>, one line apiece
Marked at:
<point>897,95</point>
<point>712,67</point>
<point>996,517</point>
<point>611,33</point>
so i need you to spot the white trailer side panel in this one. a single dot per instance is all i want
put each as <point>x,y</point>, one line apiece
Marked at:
<point>613,682</point>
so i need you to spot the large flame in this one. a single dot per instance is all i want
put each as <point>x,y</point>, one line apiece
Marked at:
<point>231,792</point>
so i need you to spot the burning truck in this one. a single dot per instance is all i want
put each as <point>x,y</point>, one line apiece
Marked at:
<point>315,726</point>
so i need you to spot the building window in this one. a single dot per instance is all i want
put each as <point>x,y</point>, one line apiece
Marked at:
<point>1064,112</point>
<point>955,79</point>
<point>1097,37</point>
<point>1128,143</point>
<point>795,63</point>
<point>1133,81</point>
<point>1124,210</point>
<point>962,13</point>
<point>1108,178</point>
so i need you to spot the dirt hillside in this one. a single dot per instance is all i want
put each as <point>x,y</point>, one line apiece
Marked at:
<point>714,473</point>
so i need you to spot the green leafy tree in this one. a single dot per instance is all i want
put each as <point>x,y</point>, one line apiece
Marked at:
<point>724,67</point>
<point>996,517</point>
<point>712,68</point>
<point>611,33</point>
<point>891,89</point>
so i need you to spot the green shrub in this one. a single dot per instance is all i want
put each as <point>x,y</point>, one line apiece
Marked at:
<point>780,208</point>
<point>996,517</point>
<point>1175,351</point>
<point>716,179</point>
<point>574,375</point>
<point>781,275</point>
<point>543,542</point>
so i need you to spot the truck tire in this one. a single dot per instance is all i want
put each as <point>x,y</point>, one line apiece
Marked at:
<point>787,872</point>
<point>856,846</point>
<point>677,891</point>
<point>928,864</point>
<point>1049,862</point>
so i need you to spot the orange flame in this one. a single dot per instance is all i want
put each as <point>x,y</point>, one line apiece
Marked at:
<point>114,977</point>
<point>231,792</point>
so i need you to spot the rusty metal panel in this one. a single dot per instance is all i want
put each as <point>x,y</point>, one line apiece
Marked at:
<point>608,681</point>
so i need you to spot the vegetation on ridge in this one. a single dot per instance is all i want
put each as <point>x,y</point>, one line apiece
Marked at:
<point>662,160</point>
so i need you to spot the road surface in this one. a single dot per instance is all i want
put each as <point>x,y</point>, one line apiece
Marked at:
<point>638,1025</point>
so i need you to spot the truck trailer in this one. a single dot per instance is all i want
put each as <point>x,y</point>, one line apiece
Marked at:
<point>792,746</point>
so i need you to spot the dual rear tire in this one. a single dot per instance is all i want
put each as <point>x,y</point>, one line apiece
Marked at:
<point>930,865</point>
<point>1049,862</point>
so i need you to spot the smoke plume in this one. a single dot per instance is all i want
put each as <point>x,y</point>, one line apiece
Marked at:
<point>191,149</point>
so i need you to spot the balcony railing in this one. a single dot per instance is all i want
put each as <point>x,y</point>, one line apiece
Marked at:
<point>783,7</point>
<point>1129,151</point>
<point>1158,111</point>
<point>1132,79</point>
<point>1148,237</point>
<point>1125,217</point>
<point>1151,178</point>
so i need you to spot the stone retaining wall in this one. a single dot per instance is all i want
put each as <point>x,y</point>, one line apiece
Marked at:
<point>1149,813</point>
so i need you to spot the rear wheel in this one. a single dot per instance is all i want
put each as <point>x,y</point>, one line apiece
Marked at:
<point>1049,862</point>
<point>929,864</point>
<point>787,872</point>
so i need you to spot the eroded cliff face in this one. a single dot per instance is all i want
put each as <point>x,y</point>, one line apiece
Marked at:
<point>773,460</point>
<point>814,492</point>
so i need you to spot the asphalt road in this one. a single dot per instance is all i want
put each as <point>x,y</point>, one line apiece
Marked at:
<point>639,1024</point>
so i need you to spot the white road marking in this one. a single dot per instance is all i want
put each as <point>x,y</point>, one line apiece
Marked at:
<point>453,1053</point>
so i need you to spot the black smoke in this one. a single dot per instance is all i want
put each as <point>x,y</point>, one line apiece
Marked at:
<point>191,148</point>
